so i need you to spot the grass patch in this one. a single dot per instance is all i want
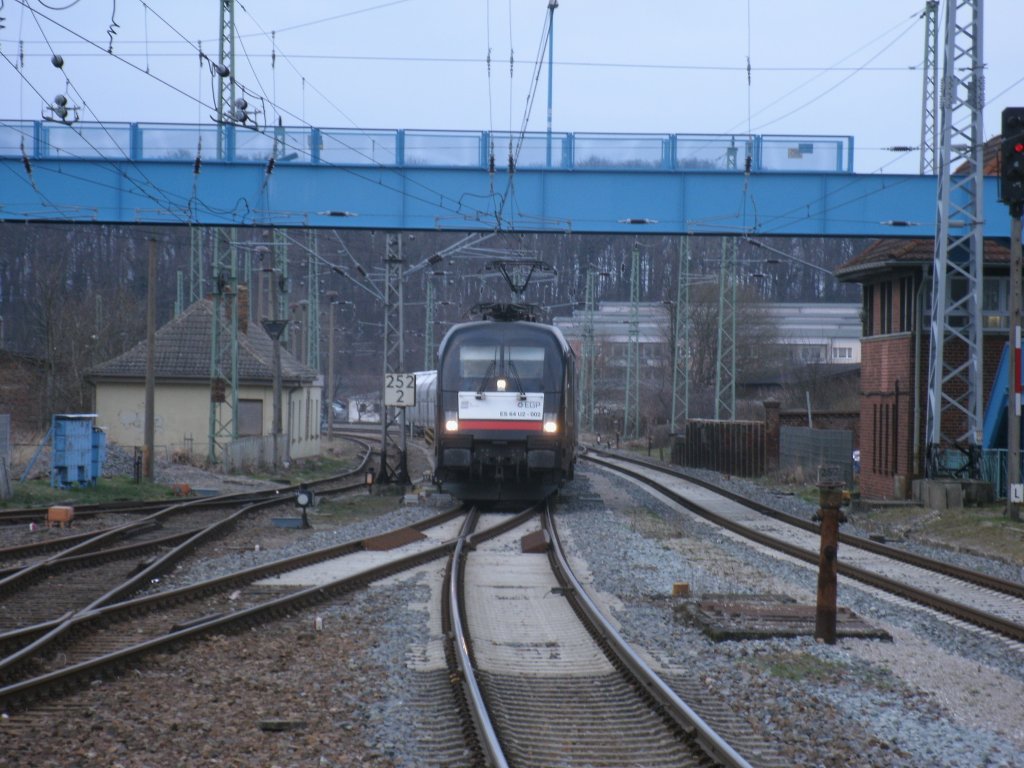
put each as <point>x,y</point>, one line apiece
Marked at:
<point>649,524</point>
<point>801,668</point>
<point>355,508</point>
<point>984,529</point>
<point>311,469</point>
<point>808,668</point>
<point>38,493</point>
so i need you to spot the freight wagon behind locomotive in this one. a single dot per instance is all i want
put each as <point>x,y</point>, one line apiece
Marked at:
<point>506,427</point>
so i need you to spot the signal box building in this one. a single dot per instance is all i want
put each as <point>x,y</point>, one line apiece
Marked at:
<point>895,275</point>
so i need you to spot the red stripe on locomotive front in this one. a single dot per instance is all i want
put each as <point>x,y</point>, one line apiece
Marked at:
<point>534,426</point>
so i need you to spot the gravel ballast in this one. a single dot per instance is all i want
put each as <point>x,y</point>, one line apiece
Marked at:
<point>287,695</point>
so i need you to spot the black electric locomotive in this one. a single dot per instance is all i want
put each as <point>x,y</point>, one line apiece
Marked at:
<point>506,408</point>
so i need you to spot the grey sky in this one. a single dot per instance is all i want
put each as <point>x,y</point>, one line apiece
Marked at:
<point>652,66</point>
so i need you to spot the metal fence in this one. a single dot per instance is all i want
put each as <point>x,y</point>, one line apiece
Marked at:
<point>732,447</point>
<point>820,454</point>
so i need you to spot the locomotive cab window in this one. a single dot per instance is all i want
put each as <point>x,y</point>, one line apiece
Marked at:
<point>520,364</point>
<point>476,363</point>
<point>527,363</point>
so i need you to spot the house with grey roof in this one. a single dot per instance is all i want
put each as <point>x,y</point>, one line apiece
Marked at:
<point>182,353</point>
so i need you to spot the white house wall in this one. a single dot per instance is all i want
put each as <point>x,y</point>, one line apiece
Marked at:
<point>182,412</point>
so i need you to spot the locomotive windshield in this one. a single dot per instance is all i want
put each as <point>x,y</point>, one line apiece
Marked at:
<point>527,364</point>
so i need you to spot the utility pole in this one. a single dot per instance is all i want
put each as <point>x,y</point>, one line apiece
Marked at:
<point>149,437</point>
<point>552,4</point>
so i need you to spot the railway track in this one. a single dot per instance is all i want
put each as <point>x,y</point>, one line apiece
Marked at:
<point>547,679</point>
<point>994,604</point>
<point>427,713</point>
<point>59,655</point>
<point>110,637</point>
<point>46,599</point>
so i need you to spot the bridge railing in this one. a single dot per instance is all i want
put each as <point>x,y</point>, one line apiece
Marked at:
<point>35,139</point>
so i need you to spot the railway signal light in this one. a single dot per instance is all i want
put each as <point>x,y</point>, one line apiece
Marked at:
<point>1011,166</point>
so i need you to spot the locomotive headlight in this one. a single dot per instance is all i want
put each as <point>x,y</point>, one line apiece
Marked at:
<point>451,422</point>
<point>550,423</point>
<point>501,383</point>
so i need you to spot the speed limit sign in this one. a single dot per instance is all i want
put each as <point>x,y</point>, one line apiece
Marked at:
<point>399,390</point>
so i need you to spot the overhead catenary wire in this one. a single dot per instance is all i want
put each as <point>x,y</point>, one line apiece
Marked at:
<point>460,208</point>
<point>434,195</point>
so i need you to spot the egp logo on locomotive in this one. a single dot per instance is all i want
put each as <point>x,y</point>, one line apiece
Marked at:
<point>501,405</point>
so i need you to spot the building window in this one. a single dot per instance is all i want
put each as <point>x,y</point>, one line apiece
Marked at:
<point>811,353</point>
<point>885,308</point>
<point>250,418</point>
<point>995,303</point>
<point>906,304</point>
<point>867,313</point>
<point>842,353</point>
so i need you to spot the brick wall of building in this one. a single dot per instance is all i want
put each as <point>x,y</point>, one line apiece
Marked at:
<point>886,416</point>
<point>887,409</point>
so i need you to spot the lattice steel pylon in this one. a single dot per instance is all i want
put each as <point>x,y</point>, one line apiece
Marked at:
<point>196,263</point>
<point>954,421</point>
<point>429,353</point>
<point>631,411</point>
<point>681,339</point>
<point>393,465</point>
<point>223,347</point>
<point>588,353</point>
<point>930,88</point>
<point>313,296</point>
<point>226,86</point>
<point>725,355</point>
<point>281,265</point>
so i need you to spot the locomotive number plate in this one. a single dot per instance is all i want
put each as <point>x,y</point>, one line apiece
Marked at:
<point>501,406</point>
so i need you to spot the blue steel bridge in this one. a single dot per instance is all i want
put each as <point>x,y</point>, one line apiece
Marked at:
<point>457,180</point>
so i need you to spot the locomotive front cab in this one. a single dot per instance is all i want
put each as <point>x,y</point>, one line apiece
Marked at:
<point>501,415</point>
